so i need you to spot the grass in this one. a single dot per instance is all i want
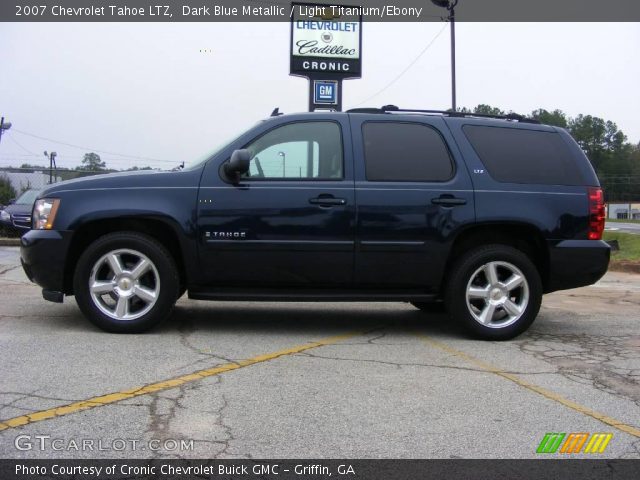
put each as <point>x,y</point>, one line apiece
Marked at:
<point>629,246</point>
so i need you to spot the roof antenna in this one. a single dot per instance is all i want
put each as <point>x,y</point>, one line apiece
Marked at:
<point>276,112</point>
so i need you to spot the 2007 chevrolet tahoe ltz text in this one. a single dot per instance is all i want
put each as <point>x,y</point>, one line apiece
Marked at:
<point>480,215</point>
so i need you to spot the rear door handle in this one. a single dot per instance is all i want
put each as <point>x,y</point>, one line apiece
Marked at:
<point>327,201</point>
<point>448,201</point>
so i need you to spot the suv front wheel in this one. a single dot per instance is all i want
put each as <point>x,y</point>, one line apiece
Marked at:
<point>126,282</point>
<point>495,291</point>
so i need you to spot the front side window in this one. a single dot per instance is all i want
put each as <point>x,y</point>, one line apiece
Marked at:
<point>304,150</point>
<point>405,152</point>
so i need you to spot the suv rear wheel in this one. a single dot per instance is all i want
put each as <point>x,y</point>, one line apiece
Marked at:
<point>126,282</point>
<point>495,291</point>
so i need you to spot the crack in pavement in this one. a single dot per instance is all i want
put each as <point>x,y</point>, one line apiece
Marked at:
<point>161,412</point>
<point>220,423</point>
<point>6,270</point>
<point>161,417</point>
<point>186,329</point>
<point>632,452</point>
<point>399,365</point>
<point>607,363</point>
<point>26,396</point>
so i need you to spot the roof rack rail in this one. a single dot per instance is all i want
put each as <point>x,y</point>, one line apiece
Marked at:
<point>449,113</point>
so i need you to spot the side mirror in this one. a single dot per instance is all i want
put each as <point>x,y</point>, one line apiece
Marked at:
<point>237,164</point>
<point>12,201</point>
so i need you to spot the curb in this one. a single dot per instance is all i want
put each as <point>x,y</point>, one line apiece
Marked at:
<point>626,267</point>
<point>9,242</point>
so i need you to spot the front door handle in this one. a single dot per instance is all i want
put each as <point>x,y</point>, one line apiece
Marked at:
<point>448,201</point>
<point>327,201</point>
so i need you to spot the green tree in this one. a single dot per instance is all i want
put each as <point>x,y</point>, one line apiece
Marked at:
<point>135,169</point>
<point>557,118</point>
<point>634,160</point>
<point>91,161</point>
<point>600,140</point>
<point>484,109</point>
<point>28,165</point>
<point>7,192</point>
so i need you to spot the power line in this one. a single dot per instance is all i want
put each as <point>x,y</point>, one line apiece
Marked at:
<point>66,159</point>
<point>22,147</point>
<point>413,62</point>
<point>92,149</point>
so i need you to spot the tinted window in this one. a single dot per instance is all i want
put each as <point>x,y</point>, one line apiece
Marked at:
<point>524,156</point>
<point>305,150</point>
<point>397,151</point>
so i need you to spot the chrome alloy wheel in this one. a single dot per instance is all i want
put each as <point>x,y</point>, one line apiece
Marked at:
<point>497,294</point>
<point>124,284</point>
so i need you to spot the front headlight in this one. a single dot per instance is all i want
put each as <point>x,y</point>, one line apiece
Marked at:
<point>44,213</point>
<point>5,216</point>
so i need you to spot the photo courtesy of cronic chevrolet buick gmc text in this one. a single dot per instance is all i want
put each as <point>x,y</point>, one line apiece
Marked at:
<point>483,214</point>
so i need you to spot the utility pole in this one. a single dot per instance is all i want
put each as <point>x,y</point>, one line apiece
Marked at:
<point>3,127</point>
<point>450,5</point>
<point>52,163</point>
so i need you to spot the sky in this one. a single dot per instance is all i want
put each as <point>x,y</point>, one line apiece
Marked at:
<point>160,94</point>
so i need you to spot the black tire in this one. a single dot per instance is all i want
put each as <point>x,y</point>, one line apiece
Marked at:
<point>430,307</point>
<point>166,288</point>
<point>468,270</point>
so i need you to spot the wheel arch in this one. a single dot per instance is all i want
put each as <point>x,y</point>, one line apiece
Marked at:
<point>161,229</point>
<point>523,236</point>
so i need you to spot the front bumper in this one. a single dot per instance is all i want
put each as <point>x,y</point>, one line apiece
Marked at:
<point>43,255</point>
<point>576,263</point>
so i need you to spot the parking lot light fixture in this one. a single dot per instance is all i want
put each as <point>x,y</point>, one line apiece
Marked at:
<point>4,126</point>
<point>450,5</point>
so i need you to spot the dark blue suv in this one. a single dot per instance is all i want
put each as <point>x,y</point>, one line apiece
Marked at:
<point>479,215</point>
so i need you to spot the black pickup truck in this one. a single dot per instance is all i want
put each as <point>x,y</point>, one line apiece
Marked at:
<point>481,215</point>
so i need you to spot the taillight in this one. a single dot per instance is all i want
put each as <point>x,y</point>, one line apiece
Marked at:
<point>596,213</point>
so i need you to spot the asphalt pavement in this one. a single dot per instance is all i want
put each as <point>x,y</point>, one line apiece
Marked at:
<point>313,380</point>
<point>623,227</point>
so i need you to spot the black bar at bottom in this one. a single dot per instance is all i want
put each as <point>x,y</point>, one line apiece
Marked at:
<point>547,469</point>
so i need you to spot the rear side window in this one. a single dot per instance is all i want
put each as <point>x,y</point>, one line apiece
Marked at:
<point>405,152</point>
<point>524,156</point>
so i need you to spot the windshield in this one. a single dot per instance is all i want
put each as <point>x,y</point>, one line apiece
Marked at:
<point>219,148</point>
<point>28,197</point>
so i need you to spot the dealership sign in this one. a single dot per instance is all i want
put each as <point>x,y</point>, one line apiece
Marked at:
<point>326,41</point>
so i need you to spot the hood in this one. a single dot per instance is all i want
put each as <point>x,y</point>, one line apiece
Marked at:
<point>134,179</point>
<point>19,209</point>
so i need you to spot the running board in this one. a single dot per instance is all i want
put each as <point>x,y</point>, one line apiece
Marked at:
<point>309,295</point>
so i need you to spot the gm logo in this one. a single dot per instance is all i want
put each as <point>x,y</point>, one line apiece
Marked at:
<point>325,91</point>
<point>573,443</point>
